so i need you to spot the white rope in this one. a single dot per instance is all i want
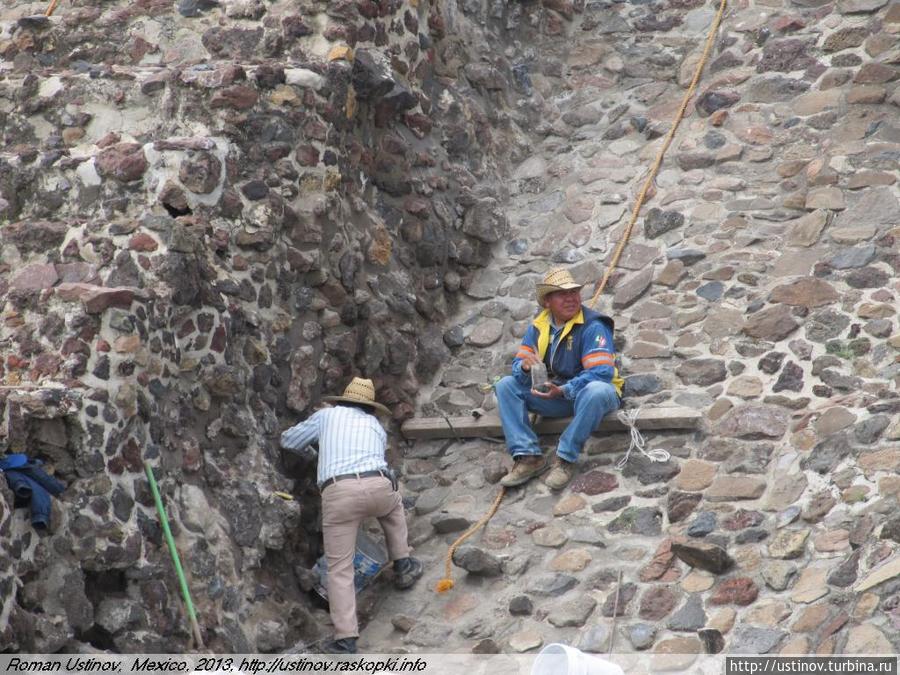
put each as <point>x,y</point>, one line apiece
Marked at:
<point>628,418</point>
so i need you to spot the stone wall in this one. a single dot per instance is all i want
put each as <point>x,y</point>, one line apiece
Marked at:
<point>212,214</point>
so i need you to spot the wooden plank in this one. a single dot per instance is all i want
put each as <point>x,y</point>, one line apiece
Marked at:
<point>489,425</point>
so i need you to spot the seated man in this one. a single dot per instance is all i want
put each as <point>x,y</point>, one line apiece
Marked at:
<point>355,484</point>
<point>576,345</point>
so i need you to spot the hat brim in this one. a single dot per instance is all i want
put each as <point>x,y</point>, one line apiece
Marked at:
<point>372,404</point>
<point>544,290</point>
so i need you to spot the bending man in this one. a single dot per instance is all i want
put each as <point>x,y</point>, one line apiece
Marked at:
<point>355,484</point>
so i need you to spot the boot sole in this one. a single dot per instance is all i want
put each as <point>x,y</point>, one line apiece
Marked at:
<point>521,481</point>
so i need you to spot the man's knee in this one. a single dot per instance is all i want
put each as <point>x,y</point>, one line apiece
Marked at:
<point>506,385</point>
<point>600,393</point>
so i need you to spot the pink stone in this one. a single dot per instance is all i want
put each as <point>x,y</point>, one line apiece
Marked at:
<point>34,278</point>
<point>143,242</point>
<point>77,272</point>
<point>96,299</point>
<point>219,340</point>
<point>124,162</point>
<point>739,591</point>
<point>594,483</point>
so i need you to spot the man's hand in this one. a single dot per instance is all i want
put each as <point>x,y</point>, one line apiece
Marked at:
<point>553,391</point>
<point>530,360</point>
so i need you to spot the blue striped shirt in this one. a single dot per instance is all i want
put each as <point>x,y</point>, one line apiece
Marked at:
<point>350,441</point>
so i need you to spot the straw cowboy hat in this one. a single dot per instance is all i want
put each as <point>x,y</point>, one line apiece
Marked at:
<point>556,280</point>
<point>359,391</point>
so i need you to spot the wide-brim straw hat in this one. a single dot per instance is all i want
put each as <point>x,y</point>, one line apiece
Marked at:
<point>556,280</point>
<point>359,391</point>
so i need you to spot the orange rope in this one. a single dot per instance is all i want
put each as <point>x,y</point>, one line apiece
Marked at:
<point>52,7</point>
<point>446,583</point>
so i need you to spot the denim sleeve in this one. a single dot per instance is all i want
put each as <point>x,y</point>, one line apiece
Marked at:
<point>34,471</point>
<point>597,359</point>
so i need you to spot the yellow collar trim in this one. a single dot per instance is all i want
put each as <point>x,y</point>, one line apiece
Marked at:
<point>543,322</point>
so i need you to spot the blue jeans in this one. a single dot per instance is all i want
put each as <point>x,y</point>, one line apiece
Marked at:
<point>515,401</point>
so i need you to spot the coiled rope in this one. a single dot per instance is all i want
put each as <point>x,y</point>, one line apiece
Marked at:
<point>628,418</point>
<point>637,441</point>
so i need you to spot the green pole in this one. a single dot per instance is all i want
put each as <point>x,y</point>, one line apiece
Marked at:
<point>164,520</point>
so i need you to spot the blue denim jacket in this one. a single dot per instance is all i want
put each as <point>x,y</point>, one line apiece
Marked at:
<point>583,352</point>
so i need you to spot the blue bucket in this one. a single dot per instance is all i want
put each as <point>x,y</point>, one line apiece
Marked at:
<point>368,561</point>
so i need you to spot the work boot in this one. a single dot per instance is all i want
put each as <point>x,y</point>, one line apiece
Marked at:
<point>407,571</point>
<point>560,475</point>
<point>342,646</point>
<point>525,468</point>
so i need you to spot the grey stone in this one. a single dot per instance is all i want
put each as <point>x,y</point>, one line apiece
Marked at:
<point>705,555</point>
<point>860,6</point>
<point>521,605</point>
<point>679,505</point>
<point>869,430</point>
<point>755,640</point>
<point>428,634</point>
<point>445,522</point>
<point>114,614</point>
<point>572,612</point>
<point>752,460</point>
<point>646,521</point>
<point>658,222</point>
<point>704,523</point>
<point>551,584</point>
<point>845,574</point>
<point>629,292</point>
<point>641,385</point>
<point>754,421</point>
<point>587,534</point>
<point>788,516</point>
<point>641,635</point>
<point>611,504</point>
<point>594,640</point>
<point>690,617</point>
<point>773,323</point>
<point>712,640</point>
<point>702,372</point>
<point>617,601</point>
<point>477,561</point>
<point>826,325</point>
<point>778,574</point>
<point>486,221</point>
<point>790,379</point>
<point>877,206</point>
<point>853,257</point>
<point>774,89</point>
<point>867,277</point>
<point>711,291</point>
<point>431,500</point>
<point>827,454</point>
<point>648,471</point>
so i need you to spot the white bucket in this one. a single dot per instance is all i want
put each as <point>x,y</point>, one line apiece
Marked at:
<point>559,659</point>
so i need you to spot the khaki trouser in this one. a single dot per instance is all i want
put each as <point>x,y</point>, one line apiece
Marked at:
<point>345,504</point>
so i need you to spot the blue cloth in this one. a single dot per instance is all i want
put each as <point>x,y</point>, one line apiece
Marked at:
<point>31,485</point>
<point>13,461</point>
<point>514,399</point>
